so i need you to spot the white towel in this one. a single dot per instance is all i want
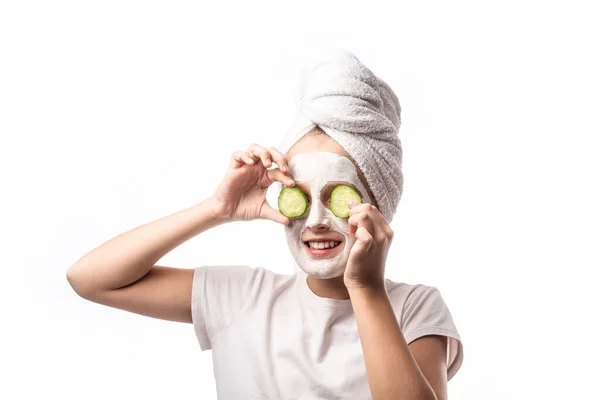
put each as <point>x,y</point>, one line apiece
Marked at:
<point>359,111</point>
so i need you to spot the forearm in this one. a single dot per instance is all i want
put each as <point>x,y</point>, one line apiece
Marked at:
<point>392,371</point>
<point>130,256</point>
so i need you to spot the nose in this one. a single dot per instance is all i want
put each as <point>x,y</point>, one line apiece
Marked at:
<point>317,218</point>
<point>323,226</point>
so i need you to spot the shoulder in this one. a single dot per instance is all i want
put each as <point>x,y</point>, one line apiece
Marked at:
<point>422,311</point>
<point>239,274</point>
<point>417,301</point>
<point>243,279</point>
<point>402,294</point>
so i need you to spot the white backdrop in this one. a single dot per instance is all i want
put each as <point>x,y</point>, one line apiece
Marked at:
<point>117,113</point>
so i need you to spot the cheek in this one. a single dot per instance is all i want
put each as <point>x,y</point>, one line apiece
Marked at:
<point>294,229</point>
<point>340,225</point>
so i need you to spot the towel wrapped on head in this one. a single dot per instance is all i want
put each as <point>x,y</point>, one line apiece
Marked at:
<point>358,110</point>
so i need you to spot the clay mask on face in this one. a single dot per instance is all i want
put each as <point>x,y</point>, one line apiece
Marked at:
<point>317,170</point>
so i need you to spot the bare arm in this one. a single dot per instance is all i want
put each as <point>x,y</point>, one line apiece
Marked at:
<point>393,371</point>
<point>121,273</point>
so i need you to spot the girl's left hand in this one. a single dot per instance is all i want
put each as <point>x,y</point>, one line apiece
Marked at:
<point>366,264</point>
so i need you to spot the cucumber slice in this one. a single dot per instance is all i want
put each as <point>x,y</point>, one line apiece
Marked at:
<point>340,196</point>
<point>292,202</point>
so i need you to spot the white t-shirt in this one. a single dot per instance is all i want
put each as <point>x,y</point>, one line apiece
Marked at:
<point>272,337</point>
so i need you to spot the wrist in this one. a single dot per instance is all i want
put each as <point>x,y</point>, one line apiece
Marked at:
<point>217,210</point>
<point>372,283</point>
<point>357,289</point>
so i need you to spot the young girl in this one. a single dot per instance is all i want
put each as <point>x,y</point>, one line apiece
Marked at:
<point>334,329</point>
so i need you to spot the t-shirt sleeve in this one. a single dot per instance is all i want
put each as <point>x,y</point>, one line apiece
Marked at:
<point>219,294</point>
<point>425,313</point>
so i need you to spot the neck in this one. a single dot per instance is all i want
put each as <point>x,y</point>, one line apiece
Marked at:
<point>333,288</point>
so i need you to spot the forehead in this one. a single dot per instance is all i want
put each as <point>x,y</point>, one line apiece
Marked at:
<point>321,167</point>
<point>316,143</point>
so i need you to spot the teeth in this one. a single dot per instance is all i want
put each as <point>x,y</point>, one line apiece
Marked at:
<point>322,245</point>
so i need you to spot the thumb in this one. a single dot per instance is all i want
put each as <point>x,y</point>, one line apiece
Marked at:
<point>269,212</point>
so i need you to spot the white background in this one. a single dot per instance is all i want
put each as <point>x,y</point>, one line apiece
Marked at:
<point>117,113</point>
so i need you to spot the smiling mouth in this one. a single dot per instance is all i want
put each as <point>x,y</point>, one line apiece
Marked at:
<point>322,250</point>
<point>320,245</point>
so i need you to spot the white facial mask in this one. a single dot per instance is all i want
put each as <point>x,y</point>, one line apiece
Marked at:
<point>318,169</point>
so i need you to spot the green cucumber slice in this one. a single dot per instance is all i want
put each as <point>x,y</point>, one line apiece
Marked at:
<point>292,202</point>
<point>340,196</point>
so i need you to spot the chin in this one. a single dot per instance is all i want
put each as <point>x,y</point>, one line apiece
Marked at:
<point>325,268</point>
<point>322,272</point>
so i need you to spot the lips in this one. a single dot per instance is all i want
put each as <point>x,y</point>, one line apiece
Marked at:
<point>337,238</point>
<point>325,252</point>
<point>322,244</point>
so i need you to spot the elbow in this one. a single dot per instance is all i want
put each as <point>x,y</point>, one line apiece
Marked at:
<point>77,283</point>
<point>427,393</point>
<point>430,395</point>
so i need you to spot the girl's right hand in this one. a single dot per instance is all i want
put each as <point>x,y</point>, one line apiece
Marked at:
<point>241,196</point>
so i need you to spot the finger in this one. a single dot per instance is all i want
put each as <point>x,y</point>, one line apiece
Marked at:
<point>379,224</point>
<point>275,174</point>
<point>362,220</point>
<point>385,226</point>
<point>353,204</point>
<point>280,159</point>
<point>239,158</point>
<point>262,153</point>
<point>357,208</point>
<point>364,241</point>
<point>268,212</point>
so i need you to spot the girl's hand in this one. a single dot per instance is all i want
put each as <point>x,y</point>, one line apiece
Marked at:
<point>366,263</point>
<point>241,196</point>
